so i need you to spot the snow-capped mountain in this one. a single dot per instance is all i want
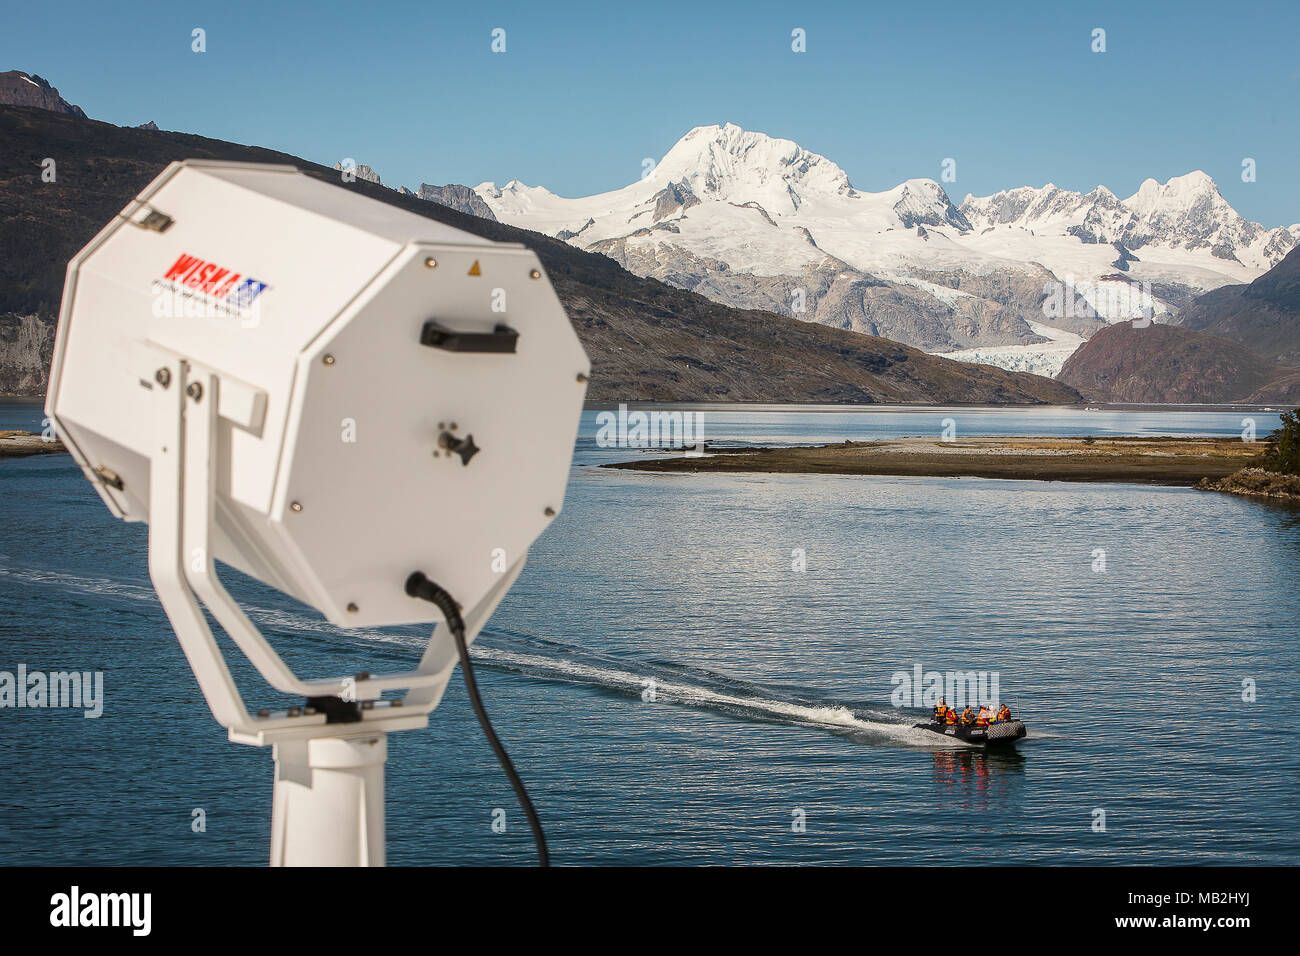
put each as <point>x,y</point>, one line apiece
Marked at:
<point>1011,279</point>
<point>1185,213</point>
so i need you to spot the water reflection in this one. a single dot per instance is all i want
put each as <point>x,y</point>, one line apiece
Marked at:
<point>970,779</point>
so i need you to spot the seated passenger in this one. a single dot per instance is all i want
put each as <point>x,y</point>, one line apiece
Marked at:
<point>1004,713</point>
<point>950,718</point>
<point>940,711</point>
<point>967,716</point>
<point>982,719</point>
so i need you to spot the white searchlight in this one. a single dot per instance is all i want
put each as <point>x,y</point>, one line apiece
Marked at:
<point>366,409</point>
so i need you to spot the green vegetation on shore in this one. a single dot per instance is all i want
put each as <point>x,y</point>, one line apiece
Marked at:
<point>1283,452</point>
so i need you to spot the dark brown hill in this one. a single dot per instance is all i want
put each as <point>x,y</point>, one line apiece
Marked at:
<point>1264,315</point>
<point>1165,363</point>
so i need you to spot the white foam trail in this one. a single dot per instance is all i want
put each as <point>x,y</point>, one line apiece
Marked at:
<point>673,692</point>
<point>84,585</point>
<point>836,718</point>
<point>266,617</point>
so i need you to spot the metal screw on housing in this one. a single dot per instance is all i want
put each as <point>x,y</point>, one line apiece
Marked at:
<point>163,377</point>
<point>194,390</point>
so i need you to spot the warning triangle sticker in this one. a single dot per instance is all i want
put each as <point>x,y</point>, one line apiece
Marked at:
<point>474,270</point>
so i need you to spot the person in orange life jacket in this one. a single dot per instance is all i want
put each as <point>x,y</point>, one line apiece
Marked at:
<point>967,716</point>
<point>950,718</point>
<point>1004,713</point>
<point>940,711</point>
<point>982,720</point>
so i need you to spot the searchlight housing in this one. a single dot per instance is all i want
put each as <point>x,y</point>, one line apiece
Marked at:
<point>327,393</point>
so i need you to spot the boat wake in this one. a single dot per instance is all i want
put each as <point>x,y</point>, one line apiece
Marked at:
<point>665,683</point>
<point>656,682</point>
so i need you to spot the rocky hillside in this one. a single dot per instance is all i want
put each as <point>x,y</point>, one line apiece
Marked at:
<point>647,340</point>
<point>26,344</point>
<point>1164,363</point>
<point>27,89</point>
<point>1236,343</point>
<point>460,198</point>
<point>1263,315</point>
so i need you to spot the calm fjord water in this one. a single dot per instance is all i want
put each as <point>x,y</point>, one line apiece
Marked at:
<point>772,687</point>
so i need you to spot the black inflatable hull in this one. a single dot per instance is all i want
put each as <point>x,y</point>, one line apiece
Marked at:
<point>1003,733</point>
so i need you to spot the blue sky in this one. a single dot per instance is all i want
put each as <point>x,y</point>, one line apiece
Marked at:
<point>585,91</point>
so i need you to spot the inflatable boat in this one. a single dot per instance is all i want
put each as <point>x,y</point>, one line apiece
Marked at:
<point>1000,733</point>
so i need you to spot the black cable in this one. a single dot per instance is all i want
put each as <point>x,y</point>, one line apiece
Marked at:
<point>418,585</point>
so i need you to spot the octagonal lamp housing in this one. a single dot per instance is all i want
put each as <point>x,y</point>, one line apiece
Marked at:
<point>395,394</point>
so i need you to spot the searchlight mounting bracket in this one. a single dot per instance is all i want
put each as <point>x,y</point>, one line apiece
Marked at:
<point>328,803</point>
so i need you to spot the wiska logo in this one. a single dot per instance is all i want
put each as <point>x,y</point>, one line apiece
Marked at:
<point>210,279</point>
